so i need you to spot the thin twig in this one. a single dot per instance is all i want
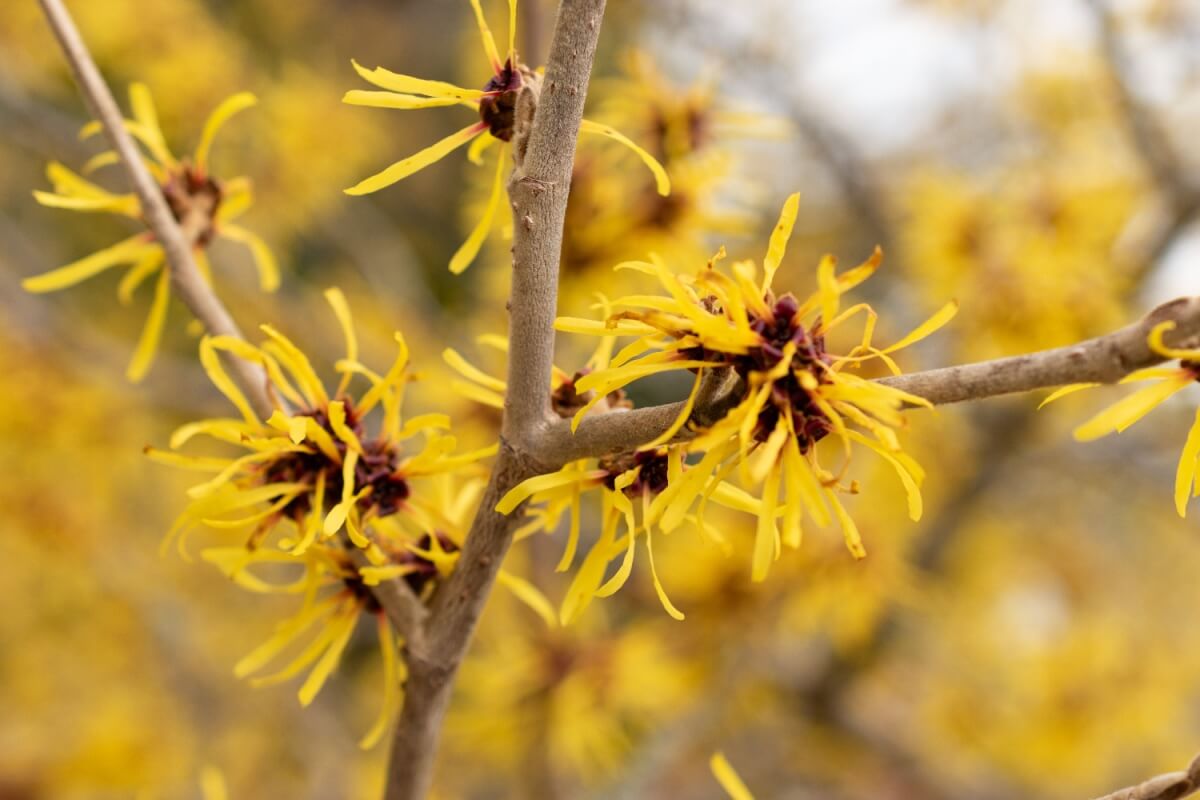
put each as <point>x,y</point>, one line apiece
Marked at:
<point>1105,359</point>
<point>1144,131</point>
<point>403,607</point>
<point>188,282</point>
<point>1171,786</point>
<point>538,192</point>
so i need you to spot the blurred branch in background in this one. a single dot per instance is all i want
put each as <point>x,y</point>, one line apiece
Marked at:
<point>1170,786</point>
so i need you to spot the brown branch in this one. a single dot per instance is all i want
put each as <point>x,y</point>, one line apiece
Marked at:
<point>1105,359</point>
<point>1171,786</point>
<point>538,192</point>
<point>188,282</point>
<point>403,607</point>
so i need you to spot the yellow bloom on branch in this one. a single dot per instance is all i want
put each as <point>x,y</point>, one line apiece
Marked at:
<point>794,392</point>
<point>496,105</point>
<point>1166,382</point>
<point>644,491</point>
<point>313,465</point>
<point>204,206</point>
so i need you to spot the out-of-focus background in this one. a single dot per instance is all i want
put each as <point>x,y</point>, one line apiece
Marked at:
<point>1033,636</point>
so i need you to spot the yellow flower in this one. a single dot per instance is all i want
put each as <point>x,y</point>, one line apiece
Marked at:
<point>1122,414</point>
<point>645,490</point>
<point>496,105</point>
<point>335,595</point>
<point>312,464</point>
<point>203,205</point>
<point>794,391</point>
<point>314,486</point>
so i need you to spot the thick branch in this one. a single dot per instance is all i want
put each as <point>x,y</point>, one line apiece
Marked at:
<point>403,607</point>
<point>538,191</point>
<point>188,282</point>
<point>1171,786</point>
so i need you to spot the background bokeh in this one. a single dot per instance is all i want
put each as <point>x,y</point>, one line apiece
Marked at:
<point>1033,636</point>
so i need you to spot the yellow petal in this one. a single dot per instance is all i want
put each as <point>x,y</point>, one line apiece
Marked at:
<point>849,529</point>
<point>684,415</point>
<point>147,345</point>
<point>530,596</point>
<point>658,587</point>
<point>779,239</point>
<point>723,771</point>
<point>512,29</point>
<point>285,634</point>
<point>1129,410</point>
<point>766,539</point>
<point>1185,476</point>
<point>613,584</point>
<point>541,483</point>
<point>662,183</point>
<point>129,250</point>
<point>117,204</point>
<point>220,115</point>
<point>1157,344</point>
<point>264,260</point>
<point>478,146</point>
<point>407,84</point>
<point>220,379</point>
<point>337,421</point>
<point>146,117</point>
<point>470,371</point>
<point>105,159</point>
<point>236,200</point>
<point>329,660</point>
<point>391,686</point>
<point>135,275</point>
<point>940,318</point>
<point>1064,391</point>
<point>341,310</point>
<point>418,161</point>
<point>470,248</point>
<point>485,33</point>
<point>404,102</point>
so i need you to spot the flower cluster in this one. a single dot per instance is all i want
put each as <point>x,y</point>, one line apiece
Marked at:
<point>319,493</point>
<point>643,490</point>
<point>204,205</point>
<point>790,393</point>
<point>497,106</point>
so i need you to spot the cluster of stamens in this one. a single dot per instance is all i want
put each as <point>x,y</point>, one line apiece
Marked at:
<point>788,396</point>
<point>194,197</point>
<point>498,108</point>
<point>652,475</point>
<point>376,469</point>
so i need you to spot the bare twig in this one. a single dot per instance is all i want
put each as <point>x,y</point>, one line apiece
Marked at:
<point>538,191</point>
<point>402,606</point>
<point>188,282</point>
<point>1105,359</point>
<point>1171,786</point>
